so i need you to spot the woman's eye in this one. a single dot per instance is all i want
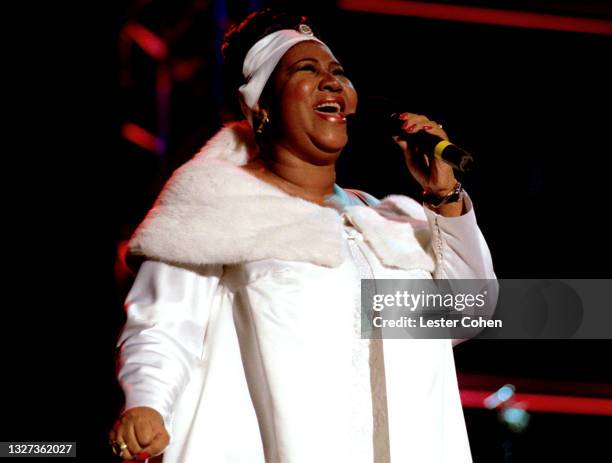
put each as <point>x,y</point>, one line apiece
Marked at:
<point>339,72</point>
<point>308,67</point>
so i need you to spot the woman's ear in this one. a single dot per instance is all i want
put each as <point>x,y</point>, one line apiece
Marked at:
<point>258,112</point>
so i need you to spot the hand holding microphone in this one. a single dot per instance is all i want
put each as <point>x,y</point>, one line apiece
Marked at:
<point>431,140</point>
<point>429,155</point>
<point>418,137</point>
<point>382,116</point>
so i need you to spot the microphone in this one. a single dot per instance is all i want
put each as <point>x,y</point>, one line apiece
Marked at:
<point>380,115</point>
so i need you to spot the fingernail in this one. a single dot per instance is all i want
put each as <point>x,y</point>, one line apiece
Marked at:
<point>403,116</point>
<point>427,127</point>
<point>143,456</point>
<point>411,128</point>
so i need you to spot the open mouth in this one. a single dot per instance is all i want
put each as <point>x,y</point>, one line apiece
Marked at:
<point>330,107</point>
<point>331,110</point>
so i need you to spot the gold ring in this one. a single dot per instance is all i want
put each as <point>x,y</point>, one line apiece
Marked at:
<point>118,447</point>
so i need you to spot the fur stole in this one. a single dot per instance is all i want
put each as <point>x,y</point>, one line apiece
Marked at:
<point>213,212</point>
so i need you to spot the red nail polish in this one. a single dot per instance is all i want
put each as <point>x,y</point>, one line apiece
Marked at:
<point>402,116</point>
<point>411,128</point>
<point>427,127</point>
<point>143,456</point>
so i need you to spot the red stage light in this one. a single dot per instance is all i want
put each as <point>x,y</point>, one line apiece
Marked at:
<point>480,15</point>
<point>545,403</point>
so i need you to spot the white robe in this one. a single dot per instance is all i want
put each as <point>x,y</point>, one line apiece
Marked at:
<point>242,326</point>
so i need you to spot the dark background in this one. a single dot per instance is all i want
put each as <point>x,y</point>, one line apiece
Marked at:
<point>532,105</point>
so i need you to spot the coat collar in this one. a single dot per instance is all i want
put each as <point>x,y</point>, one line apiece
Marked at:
<point>213,212</point>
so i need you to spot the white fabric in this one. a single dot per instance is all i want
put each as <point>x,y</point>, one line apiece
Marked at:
<point>256,358</point>
<point>213,212</point>
<point>261,60</point>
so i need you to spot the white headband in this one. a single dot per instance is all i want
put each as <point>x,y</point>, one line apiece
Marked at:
<point>261,60</point>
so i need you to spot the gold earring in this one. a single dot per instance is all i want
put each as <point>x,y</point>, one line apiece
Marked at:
<point>265,121</point>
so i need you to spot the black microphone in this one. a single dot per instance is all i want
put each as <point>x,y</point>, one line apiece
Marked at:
<point>381,115</point>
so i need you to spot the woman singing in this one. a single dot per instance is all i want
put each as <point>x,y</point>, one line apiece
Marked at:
<point>242,341</point>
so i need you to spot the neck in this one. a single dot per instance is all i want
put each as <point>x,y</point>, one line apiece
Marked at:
<point>295,176</point>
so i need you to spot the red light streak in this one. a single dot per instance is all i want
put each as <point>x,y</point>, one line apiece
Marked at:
<point>140,137</point>
<point>545,403</point>
<point>151,43</point>
<point>480,15</point>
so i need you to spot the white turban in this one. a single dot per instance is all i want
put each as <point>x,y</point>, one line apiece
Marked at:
<point>261,60</point>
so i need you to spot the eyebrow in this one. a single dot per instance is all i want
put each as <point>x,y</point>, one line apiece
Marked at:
<point>312,59</point>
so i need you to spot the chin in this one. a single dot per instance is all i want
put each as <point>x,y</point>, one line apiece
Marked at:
<point>331,144</point>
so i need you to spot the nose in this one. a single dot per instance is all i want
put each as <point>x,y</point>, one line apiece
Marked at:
<point>330,83</point>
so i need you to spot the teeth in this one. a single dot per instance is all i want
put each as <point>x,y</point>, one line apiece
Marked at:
<point>329,104</point>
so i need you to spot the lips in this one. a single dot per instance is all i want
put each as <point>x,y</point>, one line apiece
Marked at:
<point>331,109</point>
<point>338,118</point>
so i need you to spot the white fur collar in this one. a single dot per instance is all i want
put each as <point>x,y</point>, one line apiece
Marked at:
<point>211,211</point>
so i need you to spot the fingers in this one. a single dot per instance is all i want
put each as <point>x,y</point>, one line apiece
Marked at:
<point>415,122</point>
<point>125,445</point>
<point>141,432</point>
<point>144,433</point>
<point>428,172</point>
<point>158,444</point>
<point>125,435</point>
<point>131,440</point>
<point>152,437</point>
<point>417,165</point>
<point>117,441</point>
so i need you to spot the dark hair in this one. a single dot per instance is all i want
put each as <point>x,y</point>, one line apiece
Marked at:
<point>239,39</point>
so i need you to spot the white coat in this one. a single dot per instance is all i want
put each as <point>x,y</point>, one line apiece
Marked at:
<point>243,322</point>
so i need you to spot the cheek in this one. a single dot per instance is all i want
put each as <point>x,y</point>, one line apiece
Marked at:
<point>301,90</point>
<point>296,99</point>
